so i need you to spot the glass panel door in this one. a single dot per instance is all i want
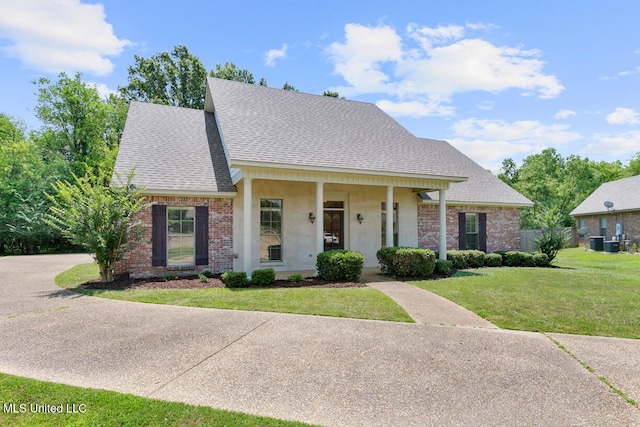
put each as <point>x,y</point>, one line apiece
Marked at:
<point>333,230</point>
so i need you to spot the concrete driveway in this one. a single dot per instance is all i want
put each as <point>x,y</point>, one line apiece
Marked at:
<point>328,371</point>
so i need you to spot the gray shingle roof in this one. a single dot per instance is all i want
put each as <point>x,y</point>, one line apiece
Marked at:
<point>260,124</point>
<point>181,150</point>
<point>482,187</point>
<point>623,193</point>
<point>173,149</point>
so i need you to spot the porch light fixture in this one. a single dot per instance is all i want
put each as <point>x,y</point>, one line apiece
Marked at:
<point>360,218</point>
<point>312,217</point>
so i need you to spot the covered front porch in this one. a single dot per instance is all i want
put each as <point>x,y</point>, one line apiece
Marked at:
<point>284,218</point>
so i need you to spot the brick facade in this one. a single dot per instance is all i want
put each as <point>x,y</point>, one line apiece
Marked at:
<point>630,225</point>
<point>503,226</point>
<point>137,262</point>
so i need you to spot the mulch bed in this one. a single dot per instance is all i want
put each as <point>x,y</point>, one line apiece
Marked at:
<point>194,282</point>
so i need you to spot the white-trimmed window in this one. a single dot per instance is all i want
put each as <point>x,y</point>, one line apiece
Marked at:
<point>471,230</point>
<point>270,230</point>
<point>180,236</point>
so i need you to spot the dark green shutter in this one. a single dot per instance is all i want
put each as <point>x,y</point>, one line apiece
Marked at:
<point>482,232</point>
<point>159,235</point>
<point>462,231</point>
<point>202,235</point>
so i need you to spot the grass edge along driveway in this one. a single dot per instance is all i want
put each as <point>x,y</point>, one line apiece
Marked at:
<point>87,406</point>
<point>592,293</point>
<point>357,303</point>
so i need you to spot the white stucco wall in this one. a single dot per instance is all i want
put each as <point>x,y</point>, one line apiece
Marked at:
<point>298,232</point>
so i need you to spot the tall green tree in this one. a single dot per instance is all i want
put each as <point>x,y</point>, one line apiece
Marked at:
<point>23,176</point>
<point>633,167</point>
<point>554,182</point>
<point>174,78</point>
<point>229,71</point>
<point>79,127</point>
<point>287,86</point>
<point>99,218</point>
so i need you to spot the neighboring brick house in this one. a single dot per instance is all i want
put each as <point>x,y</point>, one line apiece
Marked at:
<point>621,220</point>
<point>269,178</point>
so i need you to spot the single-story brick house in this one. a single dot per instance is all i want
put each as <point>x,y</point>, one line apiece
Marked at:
<point>621,220</point>
<point>269,178</point>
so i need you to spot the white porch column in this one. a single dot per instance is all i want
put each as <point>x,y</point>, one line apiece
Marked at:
<point>389,218</point>
<point>442,203</point>
<point>319,217</point>
<point>247,238</point>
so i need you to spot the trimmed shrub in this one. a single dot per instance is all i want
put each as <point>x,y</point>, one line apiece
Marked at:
<point>475,259</point>
<point>493,260</point>
<point>443,266</point>
<point>541,260</point>
<point>413,262</point>
<point>459,259</point>
<point>263,277</point>
<point>340,265</point>
<point>235,279</point>
<point>203,278</point>
<point>294,278</point>
<point>406,262</point>
<point>385,258</point>
<point>518,259</point>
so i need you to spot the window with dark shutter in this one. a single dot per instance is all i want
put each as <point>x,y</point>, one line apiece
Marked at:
<point>159,235</point>
<point>482,232</point>
<point>462,231</point>
<point>202,235</point>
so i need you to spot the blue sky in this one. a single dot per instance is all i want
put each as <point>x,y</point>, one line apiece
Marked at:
<point>497,79</point>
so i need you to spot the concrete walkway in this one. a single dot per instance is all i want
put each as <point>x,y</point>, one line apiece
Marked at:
<point>429,308</point>
<point>327,371</point>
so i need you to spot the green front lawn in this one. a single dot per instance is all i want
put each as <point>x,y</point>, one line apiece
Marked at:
<point>360,303</point>
<point>91,407</point>
<point>593,293</point>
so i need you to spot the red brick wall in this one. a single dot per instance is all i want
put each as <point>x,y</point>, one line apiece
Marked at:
<point>630,224</point>
<point>137,262</point>
<point>503,226</point>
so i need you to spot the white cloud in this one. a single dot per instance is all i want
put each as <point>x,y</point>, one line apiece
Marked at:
<point>481,26</point>
<point>428,37</point>
<point>272,55</point>
<point>490,154</point>
<point>614,145</point>
<point>623,116</point>
<point>564,114</point>
<point>444,63</point>
<point>530,132</point>
<point>59,35</point>
<point>485,105</point>
<point>102,89</point>
<point>414,108</point>
<point>490,141</point>
<point>359,59</point>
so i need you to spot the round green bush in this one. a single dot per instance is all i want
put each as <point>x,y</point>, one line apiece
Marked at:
<point>263,277</point>
<point>340,265</point>
<point>235,279</point>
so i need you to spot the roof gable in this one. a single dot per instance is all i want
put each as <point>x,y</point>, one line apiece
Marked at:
<point>280,127</point>
<point>173,150</point>
<point>623,193</point>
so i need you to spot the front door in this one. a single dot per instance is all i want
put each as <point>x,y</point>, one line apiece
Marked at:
<point>333,230</point>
